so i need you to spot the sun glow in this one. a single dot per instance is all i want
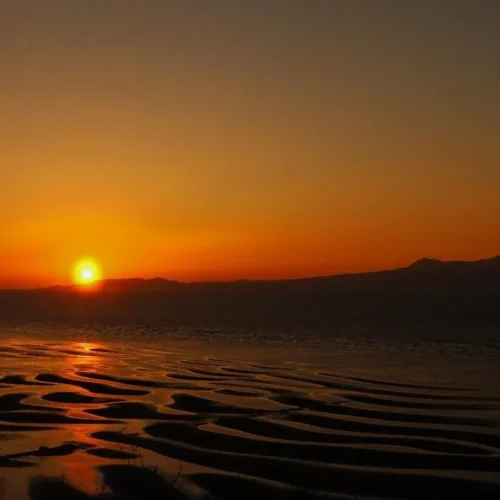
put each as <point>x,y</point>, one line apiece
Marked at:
<point>86,272</point>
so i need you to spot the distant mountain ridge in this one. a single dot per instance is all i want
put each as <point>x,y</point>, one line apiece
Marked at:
<point>424,274</point>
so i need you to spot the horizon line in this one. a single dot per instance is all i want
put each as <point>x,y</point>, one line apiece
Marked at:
<point>250,280</point>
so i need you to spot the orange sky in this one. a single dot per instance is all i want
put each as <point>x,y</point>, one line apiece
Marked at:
<point>246,140</point>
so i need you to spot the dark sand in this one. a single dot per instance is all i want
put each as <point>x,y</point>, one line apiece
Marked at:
<point>81,420</point>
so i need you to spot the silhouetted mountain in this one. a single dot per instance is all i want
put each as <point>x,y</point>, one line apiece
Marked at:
<point>426,264</point>
<point>423,275</point>
<point>128,285</point>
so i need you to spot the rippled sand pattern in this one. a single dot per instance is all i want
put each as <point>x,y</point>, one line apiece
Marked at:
<point>85,420</point>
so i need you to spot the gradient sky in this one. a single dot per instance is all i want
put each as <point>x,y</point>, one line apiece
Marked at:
<point>229,139</point>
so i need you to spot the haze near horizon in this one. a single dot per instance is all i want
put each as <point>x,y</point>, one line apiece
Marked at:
<point>246,140</point>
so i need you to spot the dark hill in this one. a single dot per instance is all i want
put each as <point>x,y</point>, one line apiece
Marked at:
<point>423,275</point>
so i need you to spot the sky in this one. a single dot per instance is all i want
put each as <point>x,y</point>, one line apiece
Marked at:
<point>214,140</point>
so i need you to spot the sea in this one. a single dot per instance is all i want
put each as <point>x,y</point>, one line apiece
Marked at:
<point>231,393</point>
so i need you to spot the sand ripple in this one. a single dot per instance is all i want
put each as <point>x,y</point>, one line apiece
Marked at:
<point>234,428</point>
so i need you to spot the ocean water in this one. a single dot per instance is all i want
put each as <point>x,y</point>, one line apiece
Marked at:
<point>453,337</point>
<point>348,396</point>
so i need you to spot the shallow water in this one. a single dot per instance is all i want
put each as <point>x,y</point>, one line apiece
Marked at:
<point>356,420</point>
<point>366,396</point>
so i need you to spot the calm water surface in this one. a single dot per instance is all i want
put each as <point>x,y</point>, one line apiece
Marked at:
<point>370,406</point>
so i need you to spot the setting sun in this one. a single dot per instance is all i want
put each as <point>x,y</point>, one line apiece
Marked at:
<point>86,272</point>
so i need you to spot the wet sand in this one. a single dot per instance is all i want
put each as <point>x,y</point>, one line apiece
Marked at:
<point>128,421</point>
